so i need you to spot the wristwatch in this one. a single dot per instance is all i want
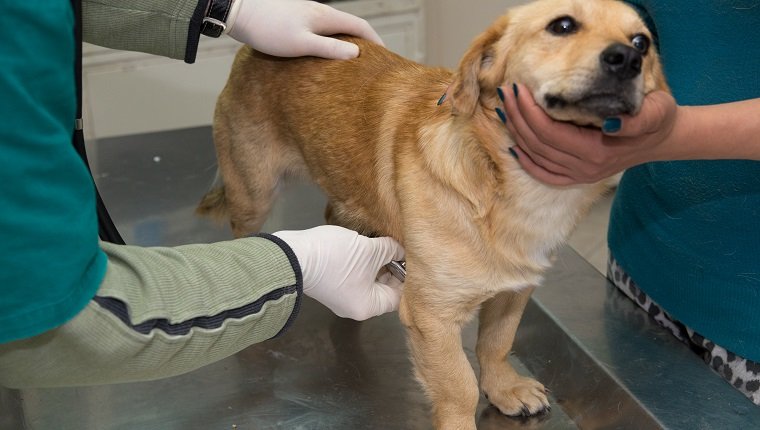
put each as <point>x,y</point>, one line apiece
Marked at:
<point>215,20</point>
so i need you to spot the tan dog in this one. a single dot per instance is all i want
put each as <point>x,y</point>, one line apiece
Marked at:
<point>478,231</point>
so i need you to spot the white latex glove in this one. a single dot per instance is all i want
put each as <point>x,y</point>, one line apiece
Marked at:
<point>295,28</point>
<point>341,269</point>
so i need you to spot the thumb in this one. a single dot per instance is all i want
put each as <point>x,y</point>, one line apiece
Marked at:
<point>657,107</point>
<point>386,298</point>
<point>334,49</point>
<point>386,249</point>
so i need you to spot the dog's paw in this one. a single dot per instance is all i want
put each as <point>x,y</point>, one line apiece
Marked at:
<point>521,397</point>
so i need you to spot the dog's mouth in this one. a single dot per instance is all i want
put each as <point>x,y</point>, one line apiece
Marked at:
<point>604,98</point>
<point>598,104</point>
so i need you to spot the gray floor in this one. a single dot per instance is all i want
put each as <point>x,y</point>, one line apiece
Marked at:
<point>607,364</point>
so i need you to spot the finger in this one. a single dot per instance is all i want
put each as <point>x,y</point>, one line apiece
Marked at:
<point>656,107</point>
<point>540,173</point>
<point>567,139</point>
<point>540,161</point>
<point>387,278</point>
<point>515,121</point>
<point>554,174</point>
<point>386,298</point>
<point>338,22</point>
<point>523,134</point>
<point>535,156</point>
<point>328,47</point>
<point>387,250</point>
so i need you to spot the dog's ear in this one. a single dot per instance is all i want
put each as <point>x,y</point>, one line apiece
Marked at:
<point>481,68</point>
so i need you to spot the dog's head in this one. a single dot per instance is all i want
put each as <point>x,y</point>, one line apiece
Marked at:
<point>583,60</point>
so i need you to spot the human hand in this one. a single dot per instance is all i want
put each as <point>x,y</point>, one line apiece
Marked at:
<point>341,267</point>
<point>561,153</point>
<point>295,28</point>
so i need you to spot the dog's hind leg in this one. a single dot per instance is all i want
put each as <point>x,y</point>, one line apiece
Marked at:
<point>253,162</point>
<point>249,203</point>
<point>511,393</point>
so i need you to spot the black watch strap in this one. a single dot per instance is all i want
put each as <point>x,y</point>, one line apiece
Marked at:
<point>215,21</point>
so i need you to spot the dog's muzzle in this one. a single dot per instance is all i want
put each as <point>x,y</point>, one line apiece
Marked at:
<point>615,91</point>
<point>620,62</point>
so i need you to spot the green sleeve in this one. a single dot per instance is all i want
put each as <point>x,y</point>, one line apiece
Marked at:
<point>257,275</point>
<point>170,28</point>
<point>162,312</point>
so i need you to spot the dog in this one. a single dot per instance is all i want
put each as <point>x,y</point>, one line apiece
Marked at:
<point>478,231</point>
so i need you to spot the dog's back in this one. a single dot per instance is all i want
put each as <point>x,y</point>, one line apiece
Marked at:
<point>291,112</point>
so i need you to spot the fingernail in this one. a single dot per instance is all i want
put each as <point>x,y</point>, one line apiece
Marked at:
<point>501,94</point>
<point>611,125</point>
<point>514,89</point>
<point>442,99</point>
<point>513,153</point>
<point>502,115</point>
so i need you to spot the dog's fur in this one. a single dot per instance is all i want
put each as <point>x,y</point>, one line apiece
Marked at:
<point>478,231</point>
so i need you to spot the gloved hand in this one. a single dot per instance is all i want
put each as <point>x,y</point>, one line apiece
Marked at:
<point>295,28</point>
<point>341,267</point>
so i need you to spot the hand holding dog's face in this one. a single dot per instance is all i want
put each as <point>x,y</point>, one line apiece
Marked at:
<point>559,153</point>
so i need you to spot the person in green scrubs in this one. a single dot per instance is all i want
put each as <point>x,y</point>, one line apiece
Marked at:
<point>74,310</point>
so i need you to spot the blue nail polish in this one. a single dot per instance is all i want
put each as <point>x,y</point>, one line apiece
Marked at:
<point>442,99</point>
<point>514,89</point>
<point>501,94</point>
<point>611,125</point>
<point>502,115</point>
<point>513,153</point>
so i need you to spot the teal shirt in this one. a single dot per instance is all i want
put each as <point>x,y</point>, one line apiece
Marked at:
<point>51,262</point>
<point>688,233</point>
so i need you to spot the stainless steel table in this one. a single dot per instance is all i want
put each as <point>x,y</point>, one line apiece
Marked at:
<point>607,364</point>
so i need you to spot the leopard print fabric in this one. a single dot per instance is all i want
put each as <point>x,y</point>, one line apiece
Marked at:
<point>743,374</point>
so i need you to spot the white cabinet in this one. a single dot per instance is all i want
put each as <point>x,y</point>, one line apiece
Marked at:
<point>129,92</point>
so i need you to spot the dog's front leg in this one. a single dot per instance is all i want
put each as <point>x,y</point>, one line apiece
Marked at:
<point>434,336</point>
<point>511,393</point>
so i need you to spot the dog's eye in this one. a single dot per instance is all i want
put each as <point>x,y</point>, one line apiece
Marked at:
<point>563,26</point>
<point>641,43</point>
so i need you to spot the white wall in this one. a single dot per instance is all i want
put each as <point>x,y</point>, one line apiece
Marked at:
<point>453,24</point>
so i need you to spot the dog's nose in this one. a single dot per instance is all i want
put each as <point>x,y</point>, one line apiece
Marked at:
<point>621,61</point>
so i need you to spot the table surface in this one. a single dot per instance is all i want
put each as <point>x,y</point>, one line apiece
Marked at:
<point>607,364</point>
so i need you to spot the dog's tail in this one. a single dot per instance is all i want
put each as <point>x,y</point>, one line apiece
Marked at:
<point>213,204</point>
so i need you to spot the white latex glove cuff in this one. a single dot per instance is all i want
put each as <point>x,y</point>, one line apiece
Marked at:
<point>232,16</point>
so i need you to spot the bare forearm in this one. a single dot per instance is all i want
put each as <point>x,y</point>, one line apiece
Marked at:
<point>722,131</point>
